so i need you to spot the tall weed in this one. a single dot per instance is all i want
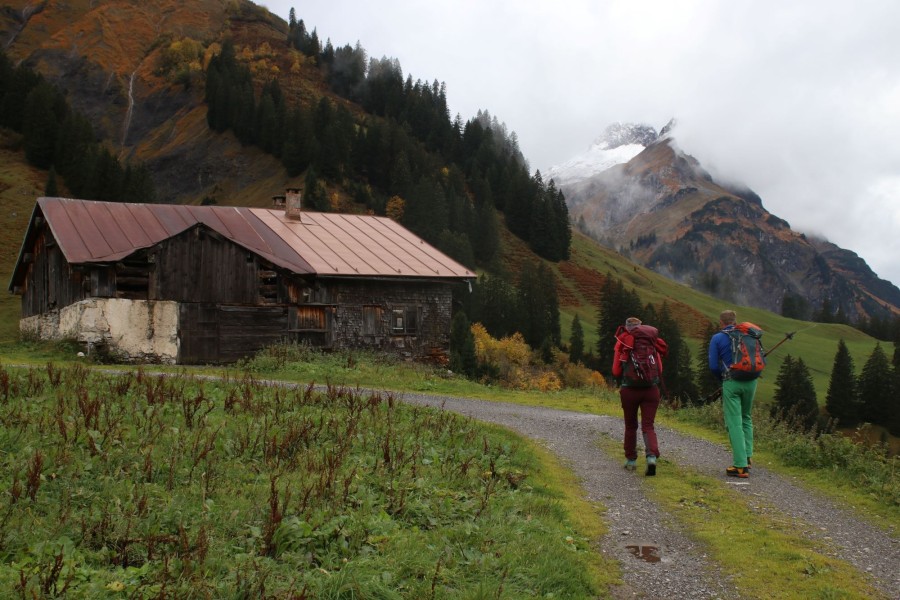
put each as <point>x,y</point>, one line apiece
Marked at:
<point>173,486</point>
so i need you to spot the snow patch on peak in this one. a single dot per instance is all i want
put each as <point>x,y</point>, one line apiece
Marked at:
<point>598,158</point>
<point>619,143</point>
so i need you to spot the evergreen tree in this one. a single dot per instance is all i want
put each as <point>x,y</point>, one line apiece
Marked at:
<point>314,192</point>
<point>826,313</point>
<point>74,155</point>
<point>299,147</point>
<point>616,305</point>
<point>495,304</point>
<point>707,385</point>
<point>542,230</point>
<point>17,83</point>
<point>795,395</point>
<point>893,424</point>
<point>426,209</point>
<point>401,177</point>
<point>794,306</point>
<point>462,346</point>
<point>876,388</point>
<point>539,304</point>
<point>267,125</point>
<point>40,125</point>
<point>137,185</point>
<point>456,245</point>
<point>576,341</point>
<point>842,400</point>
<point>51,190</point>
<point>677,370</point>
<point>486,232</point>
<point>560,218</point>
<point>108,177</point>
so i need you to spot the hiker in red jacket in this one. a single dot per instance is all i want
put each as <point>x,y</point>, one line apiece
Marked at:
<point>637,365</point>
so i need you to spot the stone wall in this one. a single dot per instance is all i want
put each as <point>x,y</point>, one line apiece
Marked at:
<point>130,330</point>
<point>432,303</point>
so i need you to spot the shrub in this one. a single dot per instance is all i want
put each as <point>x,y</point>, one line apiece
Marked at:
<point>510,362</point>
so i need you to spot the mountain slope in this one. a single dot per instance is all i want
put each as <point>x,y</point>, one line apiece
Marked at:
<point>665,211</point>
<point>135,70</point>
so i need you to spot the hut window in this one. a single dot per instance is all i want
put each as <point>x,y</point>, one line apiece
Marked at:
<point>412,320</point>
<point>405,320</point>
<point>397,322</point>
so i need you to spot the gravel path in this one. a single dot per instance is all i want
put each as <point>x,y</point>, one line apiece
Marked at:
<point>636,524</point>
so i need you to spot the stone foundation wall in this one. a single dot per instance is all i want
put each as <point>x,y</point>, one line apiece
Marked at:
<point>130,330</point>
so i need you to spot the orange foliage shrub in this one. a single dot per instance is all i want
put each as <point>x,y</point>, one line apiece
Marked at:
<point>514,365</point>
<point>575,375</point>
<point>181,56</point>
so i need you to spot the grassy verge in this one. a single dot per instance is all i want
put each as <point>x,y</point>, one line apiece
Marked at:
<point>764,553</point>
<point>862,478</point>
<point>374,370</point>
<point>586,516</point>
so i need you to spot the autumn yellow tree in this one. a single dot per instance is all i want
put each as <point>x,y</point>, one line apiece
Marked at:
<point>394,208</point>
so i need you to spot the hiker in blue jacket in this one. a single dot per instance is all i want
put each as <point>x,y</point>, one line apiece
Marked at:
<point>737,397</point>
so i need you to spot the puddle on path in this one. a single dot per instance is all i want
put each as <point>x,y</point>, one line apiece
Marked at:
<point>645,552</point>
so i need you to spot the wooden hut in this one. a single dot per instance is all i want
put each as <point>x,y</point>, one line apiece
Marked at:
<point>212,284</point>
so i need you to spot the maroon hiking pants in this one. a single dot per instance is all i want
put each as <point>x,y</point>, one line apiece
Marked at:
<point>647,400</point>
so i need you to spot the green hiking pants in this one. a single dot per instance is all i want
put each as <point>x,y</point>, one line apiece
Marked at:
<point>737,404</point>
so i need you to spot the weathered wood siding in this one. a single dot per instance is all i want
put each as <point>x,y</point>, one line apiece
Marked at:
<point>50,282</point>
<point>201,266</point>
<point>217,333</point>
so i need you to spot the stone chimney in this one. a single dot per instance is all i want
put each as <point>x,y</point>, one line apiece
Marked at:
<point>292,204</point>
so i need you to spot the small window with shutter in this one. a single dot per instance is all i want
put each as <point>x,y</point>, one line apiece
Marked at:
<point>371,322</point>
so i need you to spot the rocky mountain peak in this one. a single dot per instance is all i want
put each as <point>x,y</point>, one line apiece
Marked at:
<point>661,208</point>
<point>619,143</point>
<point>621,134</point>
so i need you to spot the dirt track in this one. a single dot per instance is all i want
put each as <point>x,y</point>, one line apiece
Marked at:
<point>637,524</point>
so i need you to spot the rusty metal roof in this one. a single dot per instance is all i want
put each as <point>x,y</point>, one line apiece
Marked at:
<point>341,244</point>
<point>324,244</point>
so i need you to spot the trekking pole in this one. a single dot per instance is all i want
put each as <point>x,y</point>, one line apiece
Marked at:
<point>788,336</point>
<point>718,392</point>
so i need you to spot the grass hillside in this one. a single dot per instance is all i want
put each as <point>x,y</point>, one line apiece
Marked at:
<point>579,283</point>
<point>20,185</point>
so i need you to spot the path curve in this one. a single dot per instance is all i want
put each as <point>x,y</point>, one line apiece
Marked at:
<point>683,571</point>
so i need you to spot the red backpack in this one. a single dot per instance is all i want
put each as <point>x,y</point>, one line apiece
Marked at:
<point>644,365</point>
<point>748,358</point>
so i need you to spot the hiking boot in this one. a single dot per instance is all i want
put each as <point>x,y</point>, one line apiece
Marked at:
<point>741,472</point>
<point>630,465</point>
<point>651,466</point>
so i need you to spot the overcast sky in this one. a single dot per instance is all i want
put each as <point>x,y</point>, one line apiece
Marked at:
<point>799,100</point>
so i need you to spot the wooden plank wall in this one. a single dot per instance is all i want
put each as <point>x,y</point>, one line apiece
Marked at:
<point>201,266</point>
<point>50,282</point>
<point>211,333</point>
